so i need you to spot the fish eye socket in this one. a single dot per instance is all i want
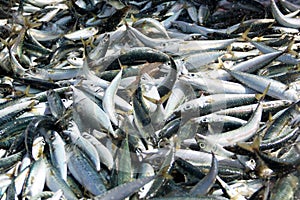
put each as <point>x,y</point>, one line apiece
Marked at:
<point>205,120</point>
<point>202,145</point>
<point>67,138</point>
<point>188,107</point>
<point>52,137</point>
<point>160,134</point>
<point>157,161</point>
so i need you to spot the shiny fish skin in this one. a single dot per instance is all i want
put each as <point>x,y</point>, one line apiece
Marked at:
<point>81,34</point>
<point>286,21</point>
<point>100,117</point>
<point>241,134</point>
<point>277,89</point>
<point>285,187</point>
<point>122,193</point>
<point>58,157</point>
<point>109,96</point>
<point>83,172</point>
<point>55,103</point>
<point>36,179</point>
<point>205,184</point>
<point>105,155</point>
<point>75,138</point>
<point>55,182</point>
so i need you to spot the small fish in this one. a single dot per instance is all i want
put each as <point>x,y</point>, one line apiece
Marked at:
<point>126,189</point>
<point>82,34</point>
<point>283,20</point>
<point>277,89</point>
<point>84,172</point>
<point>109,96</point>
<point>205,184</point>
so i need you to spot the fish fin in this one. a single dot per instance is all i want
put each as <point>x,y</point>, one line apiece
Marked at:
<point>159,101</point>
<point>259,38</point>
<point>7,44</point>
<point>242,22</point>
<point>133,19</point>
<point>26,92</point>
<point>256,143</point>
<point>289,48</point>
<point>91,41</point>
<point>152,100</point>
<point>270,117</point>
<point>80,82</point>
<point>260,97</point>
<point>253,147</point>
<point>270,26</point>
<point>164,173</point>
<point>84,47</point>
<point>245,34</point>
<point>28,24</point>
<point>65,116</point>
<point>220,63</point>
<point>32,104</point>
<point>125,23</point>
<point>121,65</point>
<point>229,50</point>
<point>165,97</point>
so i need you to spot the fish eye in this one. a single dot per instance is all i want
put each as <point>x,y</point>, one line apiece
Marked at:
<point>43,142</point>
<point>67,138</point>
<point>157,160</point>
<point>205,120</point>
<point>160,134</point>
<point>52,137</point>
<point>202,145</point>
<point>188,107</point>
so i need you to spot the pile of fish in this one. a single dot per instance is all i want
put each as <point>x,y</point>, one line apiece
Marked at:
<point>155,99</point>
